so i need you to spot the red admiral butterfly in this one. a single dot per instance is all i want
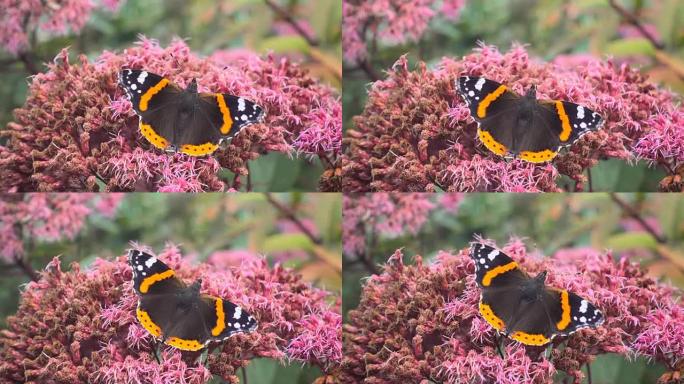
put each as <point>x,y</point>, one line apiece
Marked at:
<point>178,314</point>
<point>184,120</point>
<point>523,127</point>
<point>522,307</point>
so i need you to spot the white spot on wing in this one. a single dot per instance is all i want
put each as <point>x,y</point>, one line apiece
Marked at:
<point>243,117</point>
<point>583,319</point>
<point>150,262</point>
<point>480,83</point>
<point>493,254</point>
<point>134,87</point>
<point>471,93</point>
<point>238,313</point>
<point>580,112</point>
<point>241,104</point>
<point>142,76</point>
<point>583,306</point>
<point>583,125</point>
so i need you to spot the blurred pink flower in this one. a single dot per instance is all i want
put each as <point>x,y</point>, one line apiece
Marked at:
<point>416,134</point>
<point>230,258</point>
<point>47,217</point>
<point>382,213</point>
<point>419,322</point>
<point>21,18</point>
<point>84,326</point>
<point>450,201</point>
<point>391,21</point>
<point>99,142</point>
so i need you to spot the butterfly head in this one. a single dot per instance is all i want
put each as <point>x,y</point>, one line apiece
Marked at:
<point>533,288</point>
<point>532,92</point>
<point>192,87</point>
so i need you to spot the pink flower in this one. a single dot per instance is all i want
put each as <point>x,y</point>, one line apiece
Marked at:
<point>383,213</point>
<point>419,322</point>
<point>99,143</point>
<point>83,323</point>
<point>22,17</point>
<point>391,21</point>
<point>428,142</point>
<point>48,217</point>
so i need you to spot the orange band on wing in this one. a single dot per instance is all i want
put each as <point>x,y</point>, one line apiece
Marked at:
<point>565,311</point>
<point>490,317</point>
<point>488,140</point>
<point>565,122</point>
<point>152,136</point>
<point>482,108</point>
<point>220,319</point>
<point>147,323</point>
<point>225,113</point>
<point>494,272</point>
<point>185,345</point>
<point>538,157</point>
<point>199,150</point>
<point>147,283</point>
<point>530,339</point>
<point>145,98</point>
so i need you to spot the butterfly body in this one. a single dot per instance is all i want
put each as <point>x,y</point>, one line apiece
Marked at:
<point>524,127</point>
<point>523,308</point>
<point>182,120</point>
<point>178,314</point>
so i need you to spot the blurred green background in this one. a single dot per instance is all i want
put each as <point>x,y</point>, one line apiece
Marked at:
<point>201,225</point>
<point>207,26</point>
<point>547,223</point>
<point>548,28</point>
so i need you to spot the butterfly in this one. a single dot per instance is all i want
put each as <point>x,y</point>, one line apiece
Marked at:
<point>179,314</point>
<point>522,307</point>
<point>183,120</point>
<point>523,127</point>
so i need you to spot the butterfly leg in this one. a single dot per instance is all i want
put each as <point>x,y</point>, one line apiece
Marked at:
<point>499,339</point>
<point>157,347</point>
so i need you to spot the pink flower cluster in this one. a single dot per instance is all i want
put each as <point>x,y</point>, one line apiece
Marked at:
<point>420,322</point>
<point>392,21</point>
<point>417,134</point>
<point>47,217</point>
<point>83,325</point>
<point>382,213</point>
<point>21,18</point>
<point>77,130</point>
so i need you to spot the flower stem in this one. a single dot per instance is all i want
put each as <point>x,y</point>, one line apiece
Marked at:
<point>631,211</point>
<point>632,19</point>
<point>290,214</point>
<point>290,19</point>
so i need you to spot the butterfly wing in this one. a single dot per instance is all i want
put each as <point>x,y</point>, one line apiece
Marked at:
<point>580,120</point>
<point>154,99</point>
<point>499,278</point>
<point>217,117</point>
<point>491,105</point>
<point>156,286</point>
<point>208,319</point>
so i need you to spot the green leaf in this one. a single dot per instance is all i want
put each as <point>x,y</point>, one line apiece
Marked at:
<point>630,46</point>
<point>631,240</point>
<point>284,44</point>
<point>286,242</point>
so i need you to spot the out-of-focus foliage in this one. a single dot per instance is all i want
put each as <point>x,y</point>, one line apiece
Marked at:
<point>206,225</point>
<point>547,222</point>
<point>551,30</point>
<point>208,26</point>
